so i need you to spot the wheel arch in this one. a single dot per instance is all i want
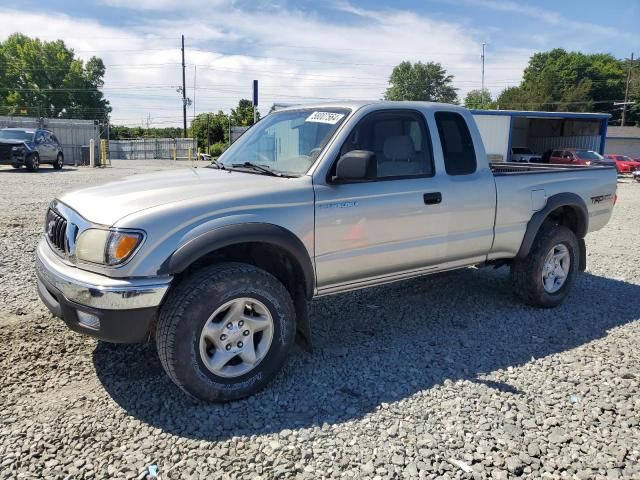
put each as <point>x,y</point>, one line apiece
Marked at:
<point>256,243</point>
<point>566,209</point>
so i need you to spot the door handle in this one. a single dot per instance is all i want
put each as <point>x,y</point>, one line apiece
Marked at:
<point>432,198</point>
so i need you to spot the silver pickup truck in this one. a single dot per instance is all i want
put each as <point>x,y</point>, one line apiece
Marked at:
<point>218,264</point>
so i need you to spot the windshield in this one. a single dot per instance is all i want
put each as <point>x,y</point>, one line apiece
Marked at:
<point>522,150</point>
<point>589,155</point>
<point>16,135</point>
<point>286,142</point>
<point>624,158</point>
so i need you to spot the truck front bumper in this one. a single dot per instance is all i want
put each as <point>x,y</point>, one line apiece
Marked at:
<point>112,309</point>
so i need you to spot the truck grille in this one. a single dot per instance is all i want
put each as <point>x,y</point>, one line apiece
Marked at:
<point>57,230</point>
<point>5,152</point>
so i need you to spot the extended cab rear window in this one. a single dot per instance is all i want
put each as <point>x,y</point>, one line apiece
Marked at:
<point>457,145</point>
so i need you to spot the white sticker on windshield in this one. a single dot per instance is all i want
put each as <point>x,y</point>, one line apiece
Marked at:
<point>325,117</point>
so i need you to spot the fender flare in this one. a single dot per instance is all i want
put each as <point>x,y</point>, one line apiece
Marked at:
<point>554,202</point>
<point>229,235</point>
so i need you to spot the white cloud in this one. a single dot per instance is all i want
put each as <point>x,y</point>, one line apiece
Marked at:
<point>549,17</point>
<point>166,5</point>
<point>295,55</point>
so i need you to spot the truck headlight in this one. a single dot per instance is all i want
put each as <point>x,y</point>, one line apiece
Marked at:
<point>17,149</point>
<point>107,247</point>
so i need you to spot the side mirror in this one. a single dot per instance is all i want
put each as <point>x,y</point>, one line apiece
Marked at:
<point>356,165</point>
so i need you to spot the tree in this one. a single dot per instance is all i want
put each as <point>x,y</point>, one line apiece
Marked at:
<point>121,132</point>
<point>242,115</point>
<point>45,79</point>
<point>479,100</point>
<point>421,81</point>
<point>558,80</point>
<point>218,128</point>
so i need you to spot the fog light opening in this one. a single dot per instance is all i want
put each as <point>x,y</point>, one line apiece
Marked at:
<point>88,320</point>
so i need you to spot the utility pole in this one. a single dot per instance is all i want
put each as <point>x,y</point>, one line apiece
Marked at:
<point>482,57</point>
<point>208,134</point>
<point>626,92</point>
<point>184,95</point>
<point>195,71</point>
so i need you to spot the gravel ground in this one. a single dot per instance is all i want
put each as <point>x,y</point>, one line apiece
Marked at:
<point>446,376</point>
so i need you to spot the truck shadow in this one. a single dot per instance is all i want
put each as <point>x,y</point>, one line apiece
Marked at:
<point>379,346</point>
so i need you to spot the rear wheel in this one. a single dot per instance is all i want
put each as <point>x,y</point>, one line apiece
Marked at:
<point>59,162</point>
<point>545,277</point>
<point>226,331</point>
<point>33,163</point>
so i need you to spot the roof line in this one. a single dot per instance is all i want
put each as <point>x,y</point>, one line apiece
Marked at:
<point>525,113</point>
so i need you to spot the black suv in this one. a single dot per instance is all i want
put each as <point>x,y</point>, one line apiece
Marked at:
<point>30,147</point>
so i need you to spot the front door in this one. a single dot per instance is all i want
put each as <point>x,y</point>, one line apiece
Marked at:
<point>392,225</point>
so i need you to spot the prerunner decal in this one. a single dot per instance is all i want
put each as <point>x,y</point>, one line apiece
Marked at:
<point>325,117</point>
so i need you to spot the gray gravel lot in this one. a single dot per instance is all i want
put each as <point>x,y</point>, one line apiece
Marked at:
<point>425,378</point>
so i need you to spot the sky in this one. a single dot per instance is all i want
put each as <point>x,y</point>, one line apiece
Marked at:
<point>308,50</point>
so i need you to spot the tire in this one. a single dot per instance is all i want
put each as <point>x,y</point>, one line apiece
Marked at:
<point>33,163</point>
<point>527,274</point>
<point>188,354</point>
<point>59,162</point>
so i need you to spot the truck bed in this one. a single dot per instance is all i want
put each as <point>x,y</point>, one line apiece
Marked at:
<point>523,189</point>
<point>513,168</point>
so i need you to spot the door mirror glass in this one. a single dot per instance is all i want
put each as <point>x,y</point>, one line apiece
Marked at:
<point>357,165</point>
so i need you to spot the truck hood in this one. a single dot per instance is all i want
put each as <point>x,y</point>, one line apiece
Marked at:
<point>108,203</point>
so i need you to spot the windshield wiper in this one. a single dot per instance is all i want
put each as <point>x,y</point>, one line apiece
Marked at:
<point>217,164</point>
<point>257,168</point>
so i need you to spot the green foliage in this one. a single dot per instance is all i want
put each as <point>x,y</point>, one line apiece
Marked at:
<point>479,100</point>
<point>558,80</point>
<point>45,79</point>
<point>118,132</point>
<point>217,149</point>
<point>421,81</point>
<point>242,116</point>
<point>218,128</point>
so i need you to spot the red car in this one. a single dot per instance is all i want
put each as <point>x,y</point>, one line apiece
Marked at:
<point>624,164</point>
<point>579,156</point>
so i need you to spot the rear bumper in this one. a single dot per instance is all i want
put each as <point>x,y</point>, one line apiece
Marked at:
<point>114,310</point>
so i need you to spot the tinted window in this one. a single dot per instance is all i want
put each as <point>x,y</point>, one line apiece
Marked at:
<point>457,145</point>
<point>521,150</point>
<point>400,141</point>
<point>556,153</point>
<point>54,138</point>
<point>588,155</point>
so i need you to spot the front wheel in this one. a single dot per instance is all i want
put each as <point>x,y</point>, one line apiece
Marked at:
<point>224,332</point>
<point>545,277</point>
<point>33,163</point>
<point>59,162</point>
